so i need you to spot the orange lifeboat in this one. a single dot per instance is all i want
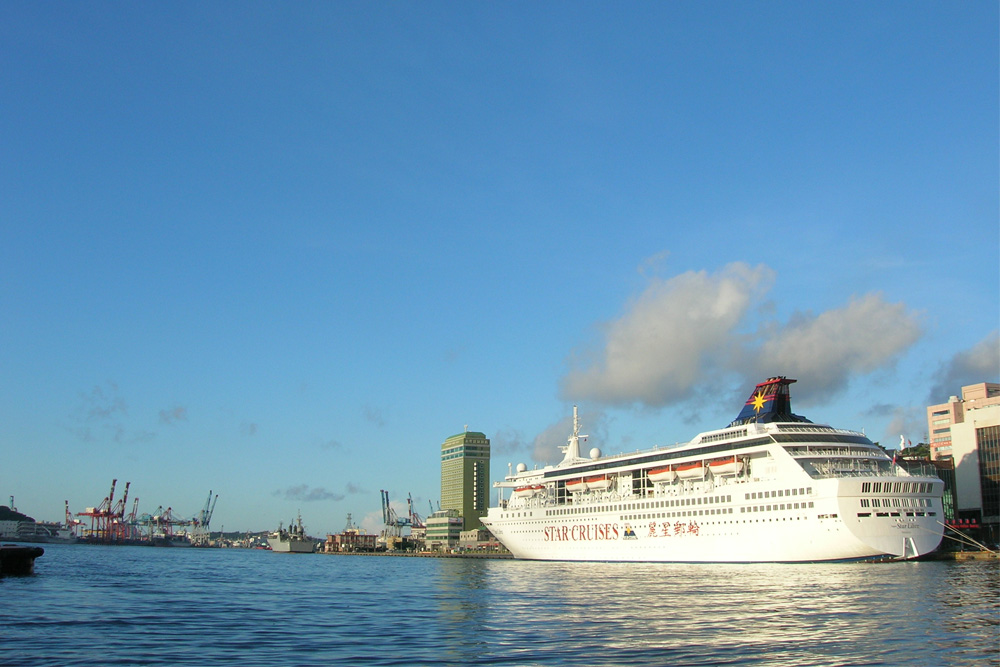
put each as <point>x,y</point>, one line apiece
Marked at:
<point>692,470</point>
<point>727,466</point>
<point>599,483</point>
<point>576,485</point>
<point>667,474</point>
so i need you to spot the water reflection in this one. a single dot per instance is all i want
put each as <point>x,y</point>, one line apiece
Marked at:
<point>579,613</point>
<point>253,608</point>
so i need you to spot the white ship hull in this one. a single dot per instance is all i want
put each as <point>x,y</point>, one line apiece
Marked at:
<point>795,492</point>
<point>829,530</point>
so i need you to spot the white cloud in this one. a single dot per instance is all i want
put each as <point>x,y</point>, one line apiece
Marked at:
<point>661,346</point>
<point>174,414</point>
<point>303,493</point>
<point>691,327</point>
<point>507,441</point>
<point>981,363</point>
<point>825,351</point>
<point>373,415</point>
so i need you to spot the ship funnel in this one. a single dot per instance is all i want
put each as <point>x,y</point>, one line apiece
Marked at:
<point>770,401</point>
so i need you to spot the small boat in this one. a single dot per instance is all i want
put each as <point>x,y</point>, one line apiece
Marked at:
<point>599,483</point>
<point>727,466</point>
<point>528,491</point>
<point>667,474</point>
<point>576,485</point>
<point>692,470</point>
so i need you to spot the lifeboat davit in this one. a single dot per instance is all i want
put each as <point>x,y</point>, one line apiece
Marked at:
<point>599,483</point>
<point>576,485</point>
<point>692,470</point>
<point>727,466</point>
<point>667,474</point>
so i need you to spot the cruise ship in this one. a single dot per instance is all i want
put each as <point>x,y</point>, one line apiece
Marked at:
<point>770,487</point>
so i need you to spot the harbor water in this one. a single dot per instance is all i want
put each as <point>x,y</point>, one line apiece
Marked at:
<point>90,605</point>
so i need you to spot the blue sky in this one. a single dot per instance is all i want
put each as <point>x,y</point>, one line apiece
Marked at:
<point>281,252</point>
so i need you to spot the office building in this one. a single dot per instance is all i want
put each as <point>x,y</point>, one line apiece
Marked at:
<point>967,430</point>
<point>465,476</point>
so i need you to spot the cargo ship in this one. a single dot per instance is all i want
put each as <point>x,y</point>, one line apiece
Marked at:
<point>770,487</point>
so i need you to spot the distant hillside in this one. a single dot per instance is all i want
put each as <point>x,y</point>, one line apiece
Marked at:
<point>7,514</point>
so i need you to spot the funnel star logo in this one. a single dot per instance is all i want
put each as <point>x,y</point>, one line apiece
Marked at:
<point>758,401</point>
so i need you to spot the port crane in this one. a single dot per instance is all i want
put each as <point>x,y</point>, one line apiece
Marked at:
<point>416,521</point>
<point>71,522</point>
<point>394,523</point>
<point>200,524</point>
<point>205,516</point>
<point>107,519</point>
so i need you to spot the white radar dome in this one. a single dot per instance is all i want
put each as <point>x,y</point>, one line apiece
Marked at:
<point>521,467</point>
<point>595,453</point>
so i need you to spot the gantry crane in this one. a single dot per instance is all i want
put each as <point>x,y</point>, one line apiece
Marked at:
<point>394,524</point>
<point>415,519</point>
<point>101,517</point>
<point>200,524</point>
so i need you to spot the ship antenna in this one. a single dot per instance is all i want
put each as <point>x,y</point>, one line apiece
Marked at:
<point>572,448</point>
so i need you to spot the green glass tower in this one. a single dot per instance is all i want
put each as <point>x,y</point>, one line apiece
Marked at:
<point>465,476</point>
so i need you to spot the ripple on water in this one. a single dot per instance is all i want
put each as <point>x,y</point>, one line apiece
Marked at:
<point>140,606</point>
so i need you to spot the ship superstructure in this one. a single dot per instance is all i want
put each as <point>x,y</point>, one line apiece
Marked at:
<point>294,540</point>
<point>770,487</point>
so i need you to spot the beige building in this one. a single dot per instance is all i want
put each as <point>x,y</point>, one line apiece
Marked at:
<point>940,418</point>
<point>444,530</point>
<point>967,430</point>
